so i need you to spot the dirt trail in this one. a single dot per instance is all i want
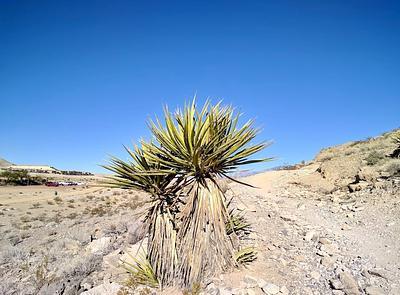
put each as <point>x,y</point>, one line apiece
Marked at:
<point>307,238</point>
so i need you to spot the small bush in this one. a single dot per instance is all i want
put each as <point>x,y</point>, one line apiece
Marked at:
<point>20,178</point>
<point>58,200</point>
<point>393,167</point>
<point>373,158</point>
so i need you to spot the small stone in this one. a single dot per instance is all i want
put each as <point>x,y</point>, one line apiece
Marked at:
<point>336,284</point>
<point>212,289</point>
<point>324,241</point>
<point>288,217</point>
<point>224,291</point>
<point>373,290</point>
<point>350,286</point>
<point>299,258</point>
<point>104,289</point>
<point>327,261</point>
<point>322,253</point>
<point>250,281</point>
<point>283,290</point>
<point>346,227</point>
<point>310,235</point>
<point>331,249</point>
<point>270,289</point>
<point>315,275</point>
<point>99,245</point>
<point>301,206</point>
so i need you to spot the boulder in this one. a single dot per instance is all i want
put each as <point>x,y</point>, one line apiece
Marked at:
<point>104,289</point>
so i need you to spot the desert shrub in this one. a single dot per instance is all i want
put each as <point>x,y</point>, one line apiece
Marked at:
<point>13,255</point>
<point>82,266</point>
<point>20,178</point>
<point>90,197</point>
<point>392,167</point>
<point>58,200</point>
<point>36,205</point>
<point>98,211</point>
<point>374,158</point>
<point>42,217</point>
<point>25,218</point>
<point>72,215</point>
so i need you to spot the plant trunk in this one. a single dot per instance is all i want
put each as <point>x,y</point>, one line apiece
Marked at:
<point>162,246</point>
<point>204,247</point>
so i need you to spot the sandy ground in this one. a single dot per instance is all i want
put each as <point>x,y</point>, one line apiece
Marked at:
<point>67,240</point>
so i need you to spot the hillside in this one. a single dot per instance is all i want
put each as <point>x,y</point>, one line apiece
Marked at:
<point>359,164</point>
<point>5,163</point>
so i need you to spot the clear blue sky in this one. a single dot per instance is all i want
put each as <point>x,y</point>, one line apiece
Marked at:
<point>79,78</point>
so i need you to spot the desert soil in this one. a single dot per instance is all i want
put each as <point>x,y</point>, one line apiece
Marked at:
<point>310,240</point>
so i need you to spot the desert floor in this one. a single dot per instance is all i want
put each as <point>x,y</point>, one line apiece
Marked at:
<point>68,240</point>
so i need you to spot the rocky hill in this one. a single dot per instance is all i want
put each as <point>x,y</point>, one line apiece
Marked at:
<point>5,163</point>
<point>359,164</point>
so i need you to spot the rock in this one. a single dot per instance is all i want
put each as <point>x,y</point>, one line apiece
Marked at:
<point>283,290</point>
<point>310,235</point>
<point>299,258</point>
<point>135,251</point>
<point>212,289</point>
<point>327,261</point>
<point>346,227</point>
<point>373,290</point>
<point>288,217</point>
<point>99,245</point>
<point>350,286</point>
<point>315,275</point>
<point>324,241</point>
<point>136,231</point>
<point>270,289</point>
<point>358,186</point>
<point>104,289</point>
<point>225,291</point>
<point>336,284</point>
<point>331,249</point>
<point>358,208</point>
<point>250,281</point>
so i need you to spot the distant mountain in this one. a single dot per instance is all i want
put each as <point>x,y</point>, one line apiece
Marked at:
<point>5,163</point>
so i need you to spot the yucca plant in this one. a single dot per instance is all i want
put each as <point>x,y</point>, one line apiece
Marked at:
<point>163,205</point>
<point>141,270</point>
<point>200,146</point>
<point>246,255</point>
<point>237,223</point>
